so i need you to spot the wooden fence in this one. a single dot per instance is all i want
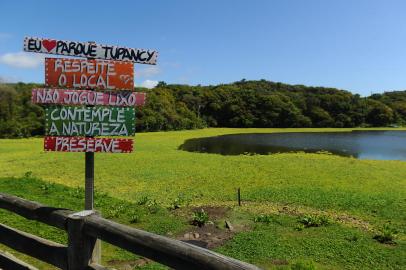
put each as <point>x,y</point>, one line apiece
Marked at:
<point>84,228</point>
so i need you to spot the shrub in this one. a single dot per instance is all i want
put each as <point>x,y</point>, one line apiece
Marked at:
<point>46,187</point>
<point>263,219</point>
<point>386,235</point>
<point>143,200</point>
<point>115,211</point>
<point>314,221</point>
<point>178,202</point>
<point>152,206</point>
<point>200,218</point>
<point>299,227</point>
<point>135,218</point>
<point>28,174</point>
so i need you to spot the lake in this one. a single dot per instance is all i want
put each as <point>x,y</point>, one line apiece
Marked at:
<point>381,145</point>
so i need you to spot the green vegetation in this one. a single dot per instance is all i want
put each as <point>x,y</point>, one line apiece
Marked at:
<point>386,234</point>
<point>242,104</point>
<point>200,218</point>
<point>158,182</point>
<point>29,187</point>
<point>314,221</point>
<point>263,218</point>
<point>157,170</point>
<point>278,245</point>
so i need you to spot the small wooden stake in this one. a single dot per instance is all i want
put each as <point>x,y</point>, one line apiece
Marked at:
<point>239,196</point>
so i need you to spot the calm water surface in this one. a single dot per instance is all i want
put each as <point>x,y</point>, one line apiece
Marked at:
<point>384,145</point>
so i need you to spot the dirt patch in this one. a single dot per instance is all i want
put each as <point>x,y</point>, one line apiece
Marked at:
<point>214,212</point>
<point>208,236</point>
<point>355,222</point>
<point>215,232</point>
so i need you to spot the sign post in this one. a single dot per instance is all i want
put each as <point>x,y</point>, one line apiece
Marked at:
<point>89,180</point>
<point>98,92</point>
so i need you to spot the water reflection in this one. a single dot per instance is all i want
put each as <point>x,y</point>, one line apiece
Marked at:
<point>383,145</point>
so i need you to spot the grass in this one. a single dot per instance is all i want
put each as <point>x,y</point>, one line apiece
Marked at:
<point>160,221</point>
<point>330,247</point>
<point>160,174</point>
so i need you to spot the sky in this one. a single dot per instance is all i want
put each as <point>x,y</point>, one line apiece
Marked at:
<point>356,45</point>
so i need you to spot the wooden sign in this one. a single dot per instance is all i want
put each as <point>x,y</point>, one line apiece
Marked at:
<point>89,74</point>
<point>89,121</point>
<point>87,97</point>
<point>86,144</point>
<point>89,50</point>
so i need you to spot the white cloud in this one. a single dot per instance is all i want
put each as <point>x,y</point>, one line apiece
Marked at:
<point>149,84</point>
<point>22,60</point>
<point>147,72</point>
<point>8,79</point>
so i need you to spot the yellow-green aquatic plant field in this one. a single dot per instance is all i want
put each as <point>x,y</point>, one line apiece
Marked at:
<point>368,192</point>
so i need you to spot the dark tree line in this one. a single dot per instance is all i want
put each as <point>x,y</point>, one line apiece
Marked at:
<point>240,104</point>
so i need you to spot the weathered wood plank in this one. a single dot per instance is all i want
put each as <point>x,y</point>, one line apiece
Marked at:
<point>87,97</point>
<point>34,246</point>
<point>170,252</point>
<point>89,74</point>
<point>89,50</point>
<point>32,210</point>
<point>81,246</point>
<point>9,262</point>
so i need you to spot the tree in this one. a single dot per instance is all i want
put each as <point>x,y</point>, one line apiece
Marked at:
<point>378,114</point>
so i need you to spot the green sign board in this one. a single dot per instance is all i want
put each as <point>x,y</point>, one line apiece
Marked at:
<point>89,121</point>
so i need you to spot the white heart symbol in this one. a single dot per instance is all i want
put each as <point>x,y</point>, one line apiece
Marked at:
<point>125,78</point>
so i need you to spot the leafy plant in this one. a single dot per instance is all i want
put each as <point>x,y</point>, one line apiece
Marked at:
<point>314,221</point>
<point>178,202</point>
<point>299,227</point>
<point>386,235</point>
<point>152,206</point>
<point>263,219</point>
<point>77,192</point>
<point>28,174</point>
<point>135,218</point>
<point>143,200</point>
<point>115,211</point>
<point>352,238</point>
<point>46,187</point>
<point>200,218</point>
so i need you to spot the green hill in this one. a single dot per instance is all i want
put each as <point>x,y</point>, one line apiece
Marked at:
<point>240,104</point>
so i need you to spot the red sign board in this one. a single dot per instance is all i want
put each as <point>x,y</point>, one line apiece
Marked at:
<point>87,97</point>
<point>89,74</point>
<point>87,144</point>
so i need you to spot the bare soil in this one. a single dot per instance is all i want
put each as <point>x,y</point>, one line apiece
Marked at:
<point>215,232</point>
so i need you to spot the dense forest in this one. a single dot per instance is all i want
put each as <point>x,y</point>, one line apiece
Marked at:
<point>239,104</point>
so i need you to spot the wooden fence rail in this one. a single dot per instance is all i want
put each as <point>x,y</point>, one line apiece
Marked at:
<point>84,228</point>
